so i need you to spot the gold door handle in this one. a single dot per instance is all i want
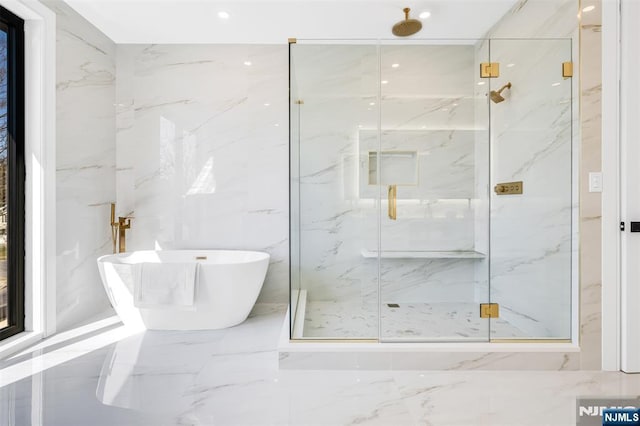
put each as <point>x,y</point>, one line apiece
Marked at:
<point>392,196</point>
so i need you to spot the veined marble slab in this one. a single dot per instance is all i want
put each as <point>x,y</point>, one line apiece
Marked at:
<point>203,150</point>
<point>198,378</point>
<point>85,163</point>
<point>406,322</point>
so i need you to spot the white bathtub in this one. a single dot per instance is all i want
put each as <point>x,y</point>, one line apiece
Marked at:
<point>226,289</point>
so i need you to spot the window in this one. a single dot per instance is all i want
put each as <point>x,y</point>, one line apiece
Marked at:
<point>12,174</point>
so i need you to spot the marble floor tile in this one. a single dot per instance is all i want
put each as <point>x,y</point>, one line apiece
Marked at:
<point>507,397</point>
<point>340,320</point>
<point>231,377</point>
<point>407,321</point>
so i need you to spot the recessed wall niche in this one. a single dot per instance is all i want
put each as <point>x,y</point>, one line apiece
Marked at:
<point>396,168</point>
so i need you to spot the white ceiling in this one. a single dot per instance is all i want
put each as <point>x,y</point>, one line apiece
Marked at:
<point>267,21</point>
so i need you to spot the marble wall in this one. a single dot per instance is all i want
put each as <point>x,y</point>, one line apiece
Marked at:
<point>590,203</point>
<point>202,150</point>
<point>199,156</point>
<point>85,163</point>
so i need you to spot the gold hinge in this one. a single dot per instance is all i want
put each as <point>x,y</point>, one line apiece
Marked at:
<point>489,70</point>
<point>299,102</point>
<point>489,310</point>
<point>567,69</point>
<point>292,40</point>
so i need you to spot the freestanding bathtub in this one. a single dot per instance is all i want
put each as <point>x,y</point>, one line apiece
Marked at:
<point>227,285</point>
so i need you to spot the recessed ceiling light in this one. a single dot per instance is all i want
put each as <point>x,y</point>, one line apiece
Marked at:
<point>360,126</point>
<point>556,84</point>
<point>454,104</point>
<point>395,65</point>
<point>588,8</point>
<point>372,103</point>
<point>267,104</point>
<point>481,83</point>
<point>223,15</point>
<point>247,63</point>
<point>425,15</point>
<point>511,65</point>
<point>276,125</point>
<point>384,81</point>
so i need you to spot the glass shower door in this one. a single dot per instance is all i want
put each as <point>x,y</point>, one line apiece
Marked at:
<point>432,173</point>
<point>531,229</point>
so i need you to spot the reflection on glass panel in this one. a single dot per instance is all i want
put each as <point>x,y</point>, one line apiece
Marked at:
<point>3,181</point>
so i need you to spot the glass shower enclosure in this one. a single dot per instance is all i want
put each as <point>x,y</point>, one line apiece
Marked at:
<point>431,190</point>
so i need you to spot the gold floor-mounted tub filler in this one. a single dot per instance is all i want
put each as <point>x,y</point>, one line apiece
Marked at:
<point>118,230</point>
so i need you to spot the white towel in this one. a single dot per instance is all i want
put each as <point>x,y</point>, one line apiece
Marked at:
<point>165,285</point>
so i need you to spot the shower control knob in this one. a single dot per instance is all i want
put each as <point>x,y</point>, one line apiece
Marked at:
<point>508,188</point>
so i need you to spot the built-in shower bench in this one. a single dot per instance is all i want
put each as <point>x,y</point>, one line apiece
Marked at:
<point>397,254</point>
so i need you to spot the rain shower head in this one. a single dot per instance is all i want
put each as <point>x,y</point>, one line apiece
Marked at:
<point>406,27</point>
<point>496,96</point>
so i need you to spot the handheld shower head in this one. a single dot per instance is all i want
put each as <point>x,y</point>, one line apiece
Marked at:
<point>497,96</point>
<point>407,27</point>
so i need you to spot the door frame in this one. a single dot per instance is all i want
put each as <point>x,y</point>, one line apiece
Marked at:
<point>620,288</point>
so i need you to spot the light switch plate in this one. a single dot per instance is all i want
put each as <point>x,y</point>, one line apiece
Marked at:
<point>595,182</point>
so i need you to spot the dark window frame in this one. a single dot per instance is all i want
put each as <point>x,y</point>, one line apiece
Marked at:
<point>14,27</point>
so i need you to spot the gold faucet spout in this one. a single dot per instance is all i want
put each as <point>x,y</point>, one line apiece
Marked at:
<point>124,223</point>
<point>118,230</point>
